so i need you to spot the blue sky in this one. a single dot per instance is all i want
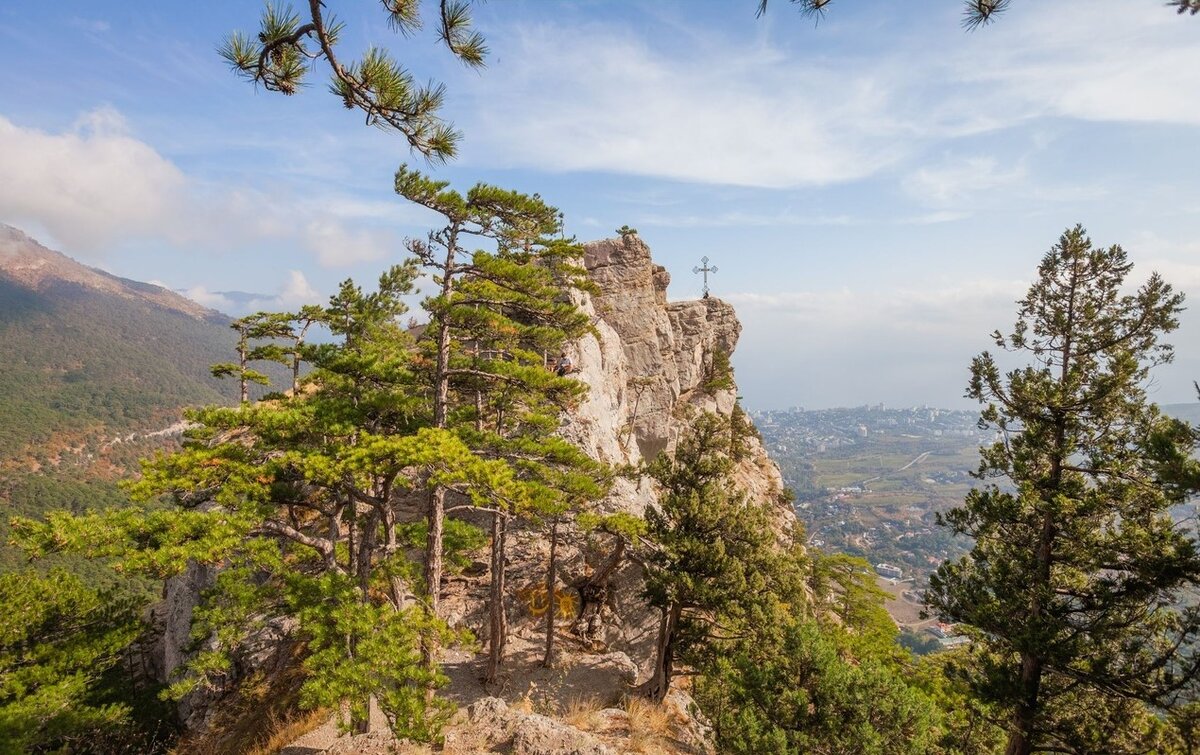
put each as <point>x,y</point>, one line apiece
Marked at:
<point>876,190</point>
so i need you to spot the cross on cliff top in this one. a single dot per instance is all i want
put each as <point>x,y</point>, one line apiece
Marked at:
<point>706,269</point>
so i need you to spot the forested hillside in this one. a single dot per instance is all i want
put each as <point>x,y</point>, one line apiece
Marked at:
<point>89,357</point>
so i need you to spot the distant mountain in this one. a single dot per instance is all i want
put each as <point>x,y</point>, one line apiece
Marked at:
<point>88,356</point>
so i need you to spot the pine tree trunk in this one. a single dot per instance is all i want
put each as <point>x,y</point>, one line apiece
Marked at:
<point>497,626</point>
<point>593,593</point>
<point>400,593</point>
<point>367,541</point>
<point>548,659</point>
<point>245,386</point>
<point>1020,738</point>
<point>659,683</point>
<point>433,547</point>
<point>441,402</point>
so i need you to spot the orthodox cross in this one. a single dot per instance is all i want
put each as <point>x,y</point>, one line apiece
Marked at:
<point>706,270</point>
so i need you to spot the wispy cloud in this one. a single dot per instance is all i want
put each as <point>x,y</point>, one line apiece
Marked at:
<point>609,100</point>
<point>732,111</point>
<point>744,220</point>
<point>91,25</point>
<point>294,292</point>
<point>956,180</point>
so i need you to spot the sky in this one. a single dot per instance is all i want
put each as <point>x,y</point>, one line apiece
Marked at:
<point>876,188</point>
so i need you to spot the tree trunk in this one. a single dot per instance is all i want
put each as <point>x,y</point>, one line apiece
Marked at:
<point>401,597</point>
<point>361,724</point>
<point>1020,738</point>
<point>659,683</point>
<point>244,384</point>
<point>497,625</point>
<point>551,604</point>
<point>441,401</point>
<point>433,547</point>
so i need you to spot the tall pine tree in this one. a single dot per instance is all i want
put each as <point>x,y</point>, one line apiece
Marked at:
<point>1076,575</point>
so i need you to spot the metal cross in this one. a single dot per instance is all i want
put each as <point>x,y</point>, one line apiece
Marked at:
<point>706,270</point>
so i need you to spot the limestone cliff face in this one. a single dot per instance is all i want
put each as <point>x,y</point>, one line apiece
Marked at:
<point>649,367</point>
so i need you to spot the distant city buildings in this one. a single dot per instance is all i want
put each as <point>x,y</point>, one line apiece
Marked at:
<point>889,571</point>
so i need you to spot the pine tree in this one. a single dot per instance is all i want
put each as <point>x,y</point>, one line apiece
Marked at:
<point>298,499</point>
<point>495,316</point>
<point>57,638</point>
<point>709,551</point>
<point>1077,570</point>
<point>282,54</point>
<point>250,328</point>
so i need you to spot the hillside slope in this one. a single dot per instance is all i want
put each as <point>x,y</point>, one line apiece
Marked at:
<point>89,356</point>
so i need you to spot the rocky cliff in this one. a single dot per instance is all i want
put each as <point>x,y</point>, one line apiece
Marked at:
<point>650,366</point>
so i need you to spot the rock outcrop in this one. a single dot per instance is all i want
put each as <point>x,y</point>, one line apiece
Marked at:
<point>651,365</point>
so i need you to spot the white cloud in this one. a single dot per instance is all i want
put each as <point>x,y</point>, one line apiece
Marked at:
<point>607,100</point>
<point>743,220</point>
<point>210,299</point>
<point>335,244</point>
<point>294,292</point>
<point>942,306</point>
<point>95,185</point>
<point>89,185</point>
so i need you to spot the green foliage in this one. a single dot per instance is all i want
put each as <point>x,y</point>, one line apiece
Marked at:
<point>461,540</point>
<point>57,639</point>
<point>1077,568</point>
<point>718,375</point>
<point>711,562</point>
<point>384,660</point>
<point>845,587</point>
<point>282,54</point>
<point>792,691</point>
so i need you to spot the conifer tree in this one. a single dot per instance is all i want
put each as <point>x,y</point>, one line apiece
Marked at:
<point>710,550</point>
<point>282,54</point>
<point>1074,581</point>
<point>298,499</point>
<point>494,317</point>
<point>250,328</point>
<point>57,638</point>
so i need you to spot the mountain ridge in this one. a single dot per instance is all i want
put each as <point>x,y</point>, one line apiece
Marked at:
<point>90,355</point>
<point>29,264</point>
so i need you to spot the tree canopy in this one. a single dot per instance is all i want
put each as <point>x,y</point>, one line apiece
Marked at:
<point>1075,582</point>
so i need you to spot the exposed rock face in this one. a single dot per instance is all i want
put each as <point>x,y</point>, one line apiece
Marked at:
<point>647,367</point>
<point>650,369</point>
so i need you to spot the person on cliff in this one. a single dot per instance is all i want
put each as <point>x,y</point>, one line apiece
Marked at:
<point>565,365</point>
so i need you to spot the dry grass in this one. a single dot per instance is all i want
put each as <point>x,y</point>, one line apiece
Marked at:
<point>580,712</point>
<point>285,731</point>
<point>649,725</point>
<point>269,737</point>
